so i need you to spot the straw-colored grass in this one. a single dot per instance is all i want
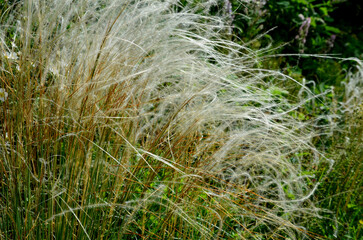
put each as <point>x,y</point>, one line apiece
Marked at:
<point>122,120</point>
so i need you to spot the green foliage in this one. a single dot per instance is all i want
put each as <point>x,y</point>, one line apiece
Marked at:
<point>309,27</point>
<point>300,18</point>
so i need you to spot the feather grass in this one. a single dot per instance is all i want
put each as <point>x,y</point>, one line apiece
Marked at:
<point>123,120</point>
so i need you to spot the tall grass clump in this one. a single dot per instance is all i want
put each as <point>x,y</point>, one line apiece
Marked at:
<point>340,192</point>
<point>123,120</point>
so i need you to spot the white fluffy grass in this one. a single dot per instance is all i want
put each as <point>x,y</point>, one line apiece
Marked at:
<point>354,89</point>
<point>141,84</point>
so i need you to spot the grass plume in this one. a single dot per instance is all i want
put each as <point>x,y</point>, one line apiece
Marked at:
<point>129,119</point>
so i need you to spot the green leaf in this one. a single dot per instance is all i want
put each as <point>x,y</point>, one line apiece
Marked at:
<point>284,4</point>
<point>303,2</point>
<point>332,29</point>
<point>313,22</point>
<point>324,10</point>
<point>350,205</point>
<point>278,91</point>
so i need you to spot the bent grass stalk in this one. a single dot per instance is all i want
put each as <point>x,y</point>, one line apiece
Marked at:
<point>122,120</point>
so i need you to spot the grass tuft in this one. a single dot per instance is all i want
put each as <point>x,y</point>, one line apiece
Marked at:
<point>122,120</point>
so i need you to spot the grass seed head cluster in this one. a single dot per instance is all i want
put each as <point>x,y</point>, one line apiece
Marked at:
<point>127,119</point>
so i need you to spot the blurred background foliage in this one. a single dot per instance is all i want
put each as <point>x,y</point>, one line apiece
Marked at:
<point>331,28</point>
